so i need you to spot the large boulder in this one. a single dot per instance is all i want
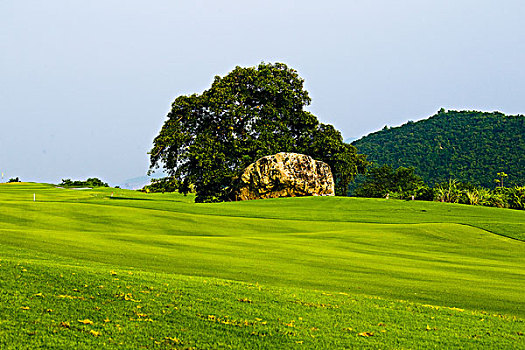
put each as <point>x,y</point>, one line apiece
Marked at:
<point>285,175</point>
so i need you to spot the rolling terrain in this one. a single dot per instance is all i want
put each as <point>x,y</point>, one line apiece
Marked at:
<point>159,271</point>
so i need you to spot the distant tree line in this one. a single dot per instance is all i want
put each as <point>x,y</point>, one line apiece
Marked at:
<point>470,146</point>
<point>91,182</point>
<point>168,184</point>
<point>402,183</point>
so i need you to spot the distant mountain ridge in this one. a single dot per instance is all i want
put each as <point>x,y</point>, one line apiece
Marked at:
<point>469,146</point>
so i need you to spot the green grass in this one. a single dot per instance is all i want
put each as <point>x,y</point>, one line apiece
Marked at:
<point>337,267</point>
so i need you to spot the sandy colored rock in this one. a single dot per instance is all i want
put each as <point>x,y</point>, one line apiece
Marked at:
<point>285,175</point>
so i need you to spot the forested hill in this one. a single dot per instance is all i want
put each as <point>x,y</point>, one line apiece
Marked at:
<point>469,146</point>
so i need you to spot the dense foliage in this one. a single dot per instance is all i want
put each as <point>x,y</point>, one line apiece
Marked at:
<point>385,181</point>
<point>403,183</point>
<point>469,146</point>
<point>209,139</point>
<point>166,184</point>
<point>14,179</point>
<point>502,197</point>
<point>91,182</point>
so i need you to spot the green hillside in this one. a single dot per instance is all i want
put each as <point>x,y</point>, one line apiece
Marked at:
<point>113,268</point>
<point>469,146</point>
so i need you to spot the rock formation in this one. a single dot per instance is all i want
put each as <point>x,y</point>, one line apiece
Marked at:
<point>285,175</point>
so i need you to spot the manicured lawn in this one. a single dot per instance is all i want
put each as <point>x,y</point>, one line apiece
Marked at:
<point>337,267</point>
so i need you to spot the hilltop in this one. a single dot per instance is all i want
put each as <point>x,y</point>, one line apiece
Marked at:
<point>469,146</point>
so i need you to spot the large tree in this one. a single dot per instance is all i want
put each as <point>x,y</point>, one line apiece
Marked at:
<point>209,139</point>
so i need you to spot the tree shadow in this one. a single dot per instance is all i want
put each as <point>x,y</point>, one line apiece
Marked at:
<point>130,198</point>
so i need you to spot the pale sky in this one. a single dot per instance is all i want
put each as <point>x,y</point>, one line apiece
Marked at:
<point>86,85</point>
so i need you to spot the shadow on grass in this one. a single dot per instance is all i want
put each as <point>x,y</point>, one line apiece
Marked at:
<point>130,198</point>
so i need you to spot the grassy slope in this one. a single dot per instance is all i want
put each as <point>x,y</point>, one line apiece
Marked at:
<point>429,253</point>
<point>58,303</point>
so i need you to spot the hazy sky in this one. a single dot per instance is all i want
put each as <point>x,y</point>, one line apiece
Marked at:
<point>86,85</point>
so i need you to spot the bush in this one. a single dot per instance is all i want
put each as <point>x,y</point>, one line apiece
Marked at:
<point>91,182</point>
<point>424,193</point>
<point>497,199</point>
<point>475,196</point>
<point>400,183</point>
<point>165,184</point>
<point>514,196</point>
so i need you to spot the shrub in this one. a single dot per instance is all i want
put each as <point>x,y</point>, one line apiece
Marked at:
<point>91,182</point>
<point>515,196</point>
<point>449,192</point>
<point>400,183</point>
<point>165,184</point>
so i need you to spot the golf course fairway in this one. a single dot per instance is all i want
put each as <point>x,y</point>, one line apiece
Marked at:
<point>122,269</point>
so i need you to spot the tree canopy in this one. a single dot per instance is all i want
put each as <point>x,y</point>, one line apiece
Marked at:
<point>381,181</point>
<point>208,139</point>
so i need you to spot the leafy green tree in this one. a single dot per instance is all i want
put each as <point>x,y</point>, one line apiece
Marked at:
<point>95,182</point>
<point>209,139</point>
<point>165,184</point>
<point>396,183</point>
<point>14,179</point>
